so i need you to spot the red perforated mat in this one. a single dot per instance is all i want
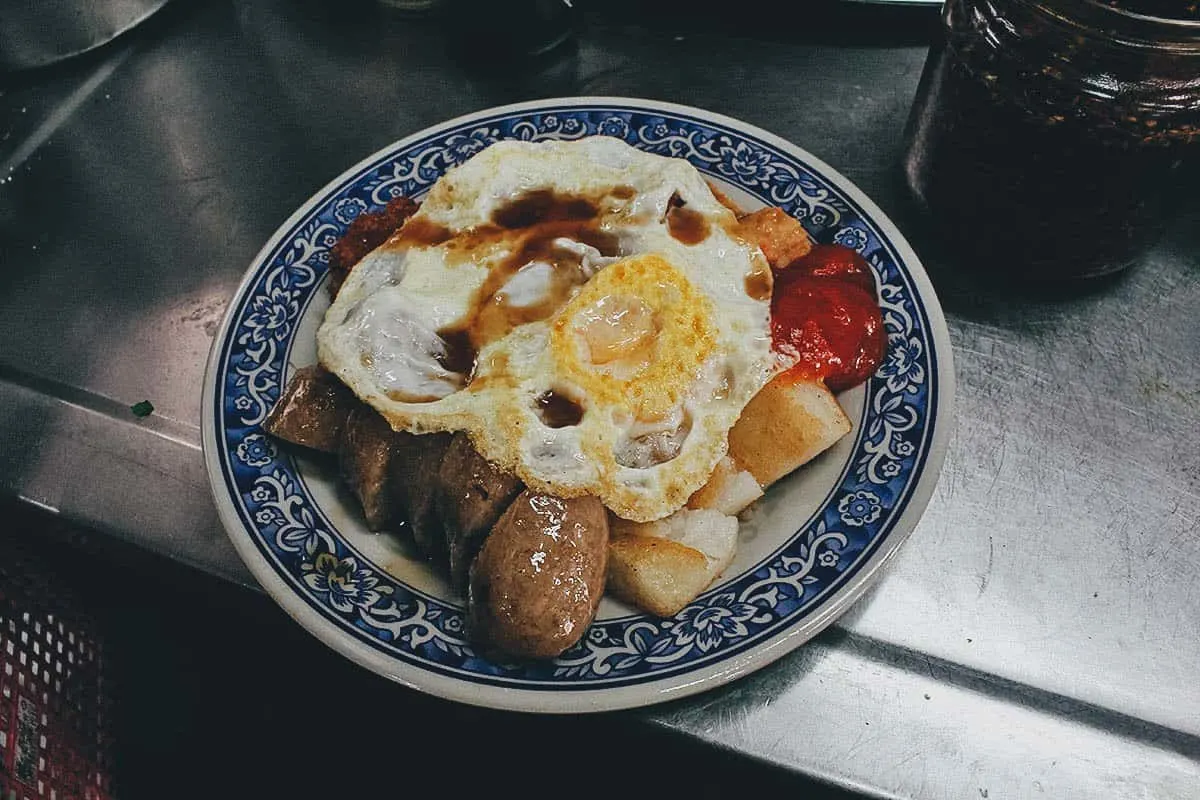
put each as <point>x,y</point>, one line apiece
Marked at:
<point>54,702</point>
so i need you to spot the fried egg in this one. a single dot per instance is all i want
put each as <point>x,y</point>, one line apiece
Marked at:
<point>586,311</point>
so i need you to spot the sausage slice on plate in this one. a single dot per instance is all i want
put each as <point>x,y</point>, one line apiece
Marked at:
<point>312,410</point>
<point>539,576</point>
<point>367,452</point>
<point>472,494</point>
<point>416,479</point>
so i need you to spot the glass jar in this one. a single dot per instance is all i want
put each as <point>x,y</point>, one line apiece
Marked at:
<point>1051,140</point>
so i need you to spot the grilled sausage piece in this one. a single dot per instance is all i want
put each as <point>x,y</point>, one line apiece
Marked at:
<point>367,454</point>
<point>539,576</point>
<point>471,496</point>
<point>416,481</point>
<point>312,410</point>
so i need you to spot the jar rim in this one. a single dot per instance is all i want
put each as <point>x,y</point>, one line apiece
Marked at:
<point>1131,27</point>
<point>1191,25</point>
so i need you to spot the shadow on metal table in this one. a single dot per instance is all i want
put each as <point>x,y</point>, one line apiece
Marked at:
<point>207,693</point>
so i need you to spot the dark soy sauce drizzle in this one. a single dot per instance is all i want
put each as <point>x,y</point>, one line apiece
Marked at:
<point>530,225</point>
<point>543,205</point>
<point>759,284</point>
<point>684,224</point>
<point>558,411</point>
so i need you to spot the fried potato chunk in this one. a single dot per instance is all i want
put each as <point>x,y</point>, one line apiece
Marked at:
<point>780,236</point>
<point>729,490</point>
<point>788,423</point>
<point>661,566</point>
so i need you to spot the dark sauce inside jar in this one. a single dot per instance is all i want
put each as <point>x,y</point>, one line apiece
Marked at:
<point>1045,150</point>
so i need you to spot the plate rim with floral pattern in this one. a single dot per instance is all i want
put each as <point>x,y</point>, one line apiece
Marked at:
<point>740,624</point>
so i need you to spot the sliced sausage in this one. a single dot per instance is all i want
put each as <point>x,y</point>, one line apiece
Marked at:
<point>312,410</point>
<point>539,576</point>
<point>367,452</point>
<point>471,496</point>
<point>416,480</point>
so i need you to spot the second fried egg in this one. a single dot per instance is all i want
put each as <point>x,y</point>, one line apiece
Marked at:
<point>585,310</point>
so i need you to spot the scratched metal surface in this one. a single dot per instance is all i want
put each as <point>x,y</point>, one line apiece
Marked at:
<point>1035,637</point>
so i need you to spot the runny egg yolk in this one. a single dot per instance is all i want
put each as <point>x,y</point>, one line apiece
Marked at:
<point>616,327</point>
<point>634,337</point>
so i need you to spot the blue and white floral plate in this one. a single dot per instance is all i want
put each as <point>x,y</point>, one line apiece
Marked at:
<point>808,549</point>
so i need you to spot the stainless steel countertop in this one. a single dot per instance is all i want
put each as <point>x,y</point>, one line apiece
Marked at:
<point>1036,637</point>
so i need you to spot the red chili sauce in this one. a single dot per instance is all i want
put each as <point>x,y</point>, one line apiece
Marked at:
<point>824,314</point>
<point>366,232</point>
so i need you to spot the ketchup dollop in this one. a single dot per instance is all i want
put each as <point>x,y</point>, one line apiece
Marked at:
<point>825,315</point>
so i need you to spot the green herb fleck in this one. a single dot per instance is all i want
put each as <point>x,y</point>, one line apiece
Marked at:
<point>142,409</point>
